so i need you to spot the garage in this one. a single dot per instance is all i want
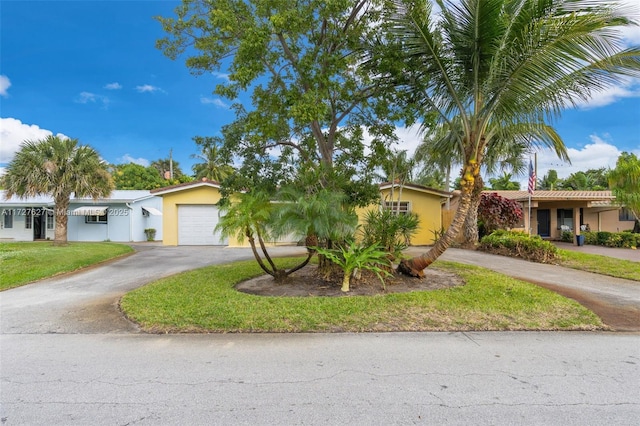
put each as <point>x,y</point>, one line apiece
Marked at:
<point>196,224</point>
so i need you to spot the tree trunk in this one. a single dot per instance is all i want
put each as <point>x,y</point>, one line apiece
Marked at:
<point>345,281</point>
<point>252,242</point>
<point>470,228</point>
<point>62,219</point>
<point>415,266</point>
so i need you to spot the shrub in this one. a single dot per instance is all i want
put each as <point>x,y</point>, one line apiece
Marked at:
<point>590,238</point>
<point>518,244</point>
<point>566,237</point>
<point>391,231</point>
<point>353,256</point>
<point>496,212</point>
<point>612,239</point>
<point>150,233</point>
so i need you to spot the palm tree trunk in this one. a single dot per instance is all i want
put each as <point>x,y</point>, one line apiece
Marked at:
<point>346,281</point>
<point>414,267</point>
<point>302,265</point>
<point>62,219</point>
<point>470,228</point>
<point>252,242</point>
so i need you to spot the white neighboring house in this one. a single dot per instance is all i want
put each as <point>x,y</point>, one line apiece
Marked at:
<point>121,217</point>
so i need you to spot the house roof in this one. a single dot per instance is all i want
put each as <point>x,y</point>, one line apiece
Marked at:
<point>596,197</point>
<point>416,187</point>
<point>185,186</point>
<point>117,196</point>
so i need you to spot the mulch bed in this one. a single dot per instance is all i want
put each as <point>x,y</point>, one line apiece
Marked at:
<point>308,282</point>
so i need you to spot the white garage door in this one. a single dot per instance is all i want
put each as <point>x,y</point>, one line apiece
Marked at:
<point>196,224</point>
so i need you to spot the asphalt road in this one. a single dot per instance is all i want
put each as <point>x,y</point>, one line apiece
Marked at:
<point>67,358</point>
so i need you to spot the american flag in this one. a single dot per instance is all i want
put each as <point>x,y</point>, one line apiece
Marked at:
<point>532,178</point>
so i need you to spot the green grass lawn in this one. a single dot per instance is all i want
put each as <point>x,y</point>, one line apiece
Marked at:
<point>204,300</point>
<point>600,264</point>
<point>24,262</point>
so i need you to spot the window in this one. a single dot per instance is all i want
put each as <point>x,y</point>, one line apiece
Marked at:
<point>96,219</point>
<point>7,218</point>
<point>625,214</point>
<point>50,220</point>
<point>565,218</point>
<point>28,222</point>
<point>405,207</point>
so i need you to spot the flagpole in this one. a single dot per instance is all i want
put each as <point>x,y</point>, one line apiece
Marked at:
<point>530,227</point>
<point>531,186</point>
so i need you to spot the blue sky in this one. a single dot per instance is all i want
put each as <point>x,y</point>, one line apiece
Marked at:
<point>89,70</point>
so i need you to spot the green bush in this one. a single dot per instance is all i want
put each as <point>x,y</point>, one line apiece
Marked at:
<point>391,231</point>
<point>150,233</point>
<point>590,238</point>
<point>612,239</point>
<point>518,244</point>
<point>566,237</point>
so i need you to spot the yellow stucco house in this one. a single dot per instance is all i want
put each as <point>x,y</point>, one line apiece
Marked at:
<point>191,213</point>
<point>426,202</point>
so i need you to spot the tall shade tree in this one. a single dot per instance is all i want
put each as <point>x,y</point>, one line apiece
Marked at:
<point>135,176</point>
<point>496,63</point>
<point>57,167</point>
<point>299,63</point>
<point>625,184</point>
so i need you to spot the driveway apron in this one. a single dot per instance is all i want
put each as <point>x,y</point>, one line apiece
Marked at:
<point>87,301</point>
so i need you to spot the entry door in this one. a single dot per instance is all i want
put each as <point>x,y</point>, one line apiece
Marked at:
<point>544,223</point>
<point>39,225</point>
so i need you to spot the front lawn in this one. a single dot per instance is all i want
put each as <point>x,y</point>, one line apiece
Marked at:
<point>205,300</point>
<point>24,262</point>
<point>600,264</point>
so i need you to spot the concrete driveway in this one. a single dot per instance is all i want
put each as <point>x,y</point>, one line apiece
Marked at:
<point>86,302</point>
<point>68,358</point>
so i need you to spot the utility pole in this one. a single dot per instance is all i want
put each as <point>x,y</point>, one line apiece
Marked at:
<point>171,163</point>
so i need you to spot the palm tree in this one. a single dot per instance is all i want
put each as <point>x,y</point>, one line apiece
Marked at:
<point>398,169</point>
<point>57,167</point>
<point>494,64</point>
<point>549,181</point>
<point>442,146</point>
<point>504,183</point>
<point>318,216</point>
<point>251,217</point>
<point>213,165</point>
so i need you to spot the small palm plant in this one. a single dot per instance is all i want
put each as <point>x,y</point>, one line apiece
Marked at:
<point>252,218</point>
<point>354,256</point>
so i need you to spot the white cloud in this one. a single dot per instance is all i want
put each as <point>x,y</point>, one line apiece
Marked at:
<point>13,132</point>
<point>214,101</point>
<point>631,33</point>
<point>129,159</point>
<point>5,83</point>
<point>147,88</point>
<point>595,155</point>
<point>409,138</point>
<point>88,97</point>
<point>113,86</point>
<point>628,89</point>
<point>220,75</point>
